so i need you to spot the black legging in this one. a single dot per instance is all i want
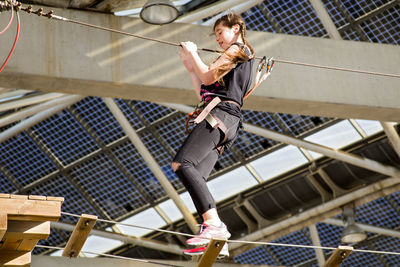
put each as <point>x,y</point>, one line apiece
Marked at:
<point>198,155</point>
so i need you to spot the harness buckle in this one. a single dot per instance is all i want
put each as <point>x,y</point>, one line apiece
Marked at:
<point>212,121</point>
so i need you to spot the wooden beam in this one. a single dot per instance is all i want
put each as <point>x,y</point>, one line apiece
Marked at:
<point>212,252</point>
<point>27,244</point>
<point>79,235</point>
<point>3,224</point>
<point>28,229</point>
<point>24,235</point>
<point>15,258</point>
<point>338,256</point>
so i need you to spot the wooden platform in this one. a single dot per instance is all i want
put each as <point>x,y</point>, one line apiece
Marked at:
<point>24,220</point>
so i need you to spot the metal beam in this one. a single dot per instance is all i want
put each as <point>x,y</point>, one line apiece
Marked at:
<point>317,242</point>
<point>152,163</point>
<point>152,130</point>
<point>355,23</point>
<point>29,100</point>
<point>392,135</point>
<point>214,9</point>
<point>238,9</point>
<point>325,19</point>
<point>112,156</point>
<point>11,93</point>
<point>351,22</point>
<point>366,227</point>
<point>327,151</point>
<point>20,127</point>
<point>24,113</point>
<point>318,213</point>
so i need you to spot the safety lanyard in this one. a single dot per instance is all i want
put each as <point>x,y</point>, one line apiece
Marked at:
<point>264,69</point>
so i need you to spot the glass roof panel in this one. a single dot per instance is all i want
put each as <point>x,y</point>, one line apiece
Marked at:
<point>231,183</point>
<point>278,162</point>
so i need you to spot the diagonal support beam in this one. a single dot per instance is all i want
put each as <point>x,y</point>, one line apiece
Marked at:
<point>317,242</point>
<point>392,135</point>
<point>151,162</point>
<point>79,235</point>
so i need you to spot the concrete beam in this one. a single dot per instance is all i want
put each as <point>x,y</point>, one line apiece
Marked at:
<point>56,56</point>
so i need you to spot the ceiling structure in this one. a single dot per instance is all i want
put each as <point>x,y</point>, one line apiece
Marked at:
<point>277,192</point>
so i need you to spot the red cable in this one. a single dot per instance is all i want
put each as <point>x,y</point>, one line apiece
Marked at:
<point>9,23</point>
<point>15,43</point>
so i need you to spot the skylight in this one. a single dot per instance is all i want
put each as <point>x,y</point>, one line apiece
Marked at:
<point>278,162</point>
<point>147,218</point>
<point>335,136</point>
<point>370,127</point>
<point>231,183</point>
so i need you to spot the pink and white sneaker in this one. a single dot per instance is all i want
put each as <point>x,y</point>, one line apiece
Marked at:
<point>200,251</point>
<point>208,231</point>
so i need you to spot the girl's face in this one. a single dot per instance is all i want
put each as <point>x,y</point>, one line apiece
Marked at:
<point>226,36</point>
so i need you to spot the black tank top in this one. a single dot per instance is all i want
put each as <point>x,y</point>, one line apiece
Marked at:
<point>237,83</point>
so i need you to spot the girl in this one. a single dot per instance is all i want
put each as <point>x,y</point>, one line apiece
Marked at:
<point>224,83</point>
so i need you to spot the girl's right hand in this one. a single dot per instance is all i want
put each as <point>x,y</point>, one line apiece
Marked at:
<point>186,61</point>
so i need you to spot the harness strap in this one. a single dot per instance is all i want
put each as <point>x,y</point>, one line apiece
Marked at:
<point>207,109</point>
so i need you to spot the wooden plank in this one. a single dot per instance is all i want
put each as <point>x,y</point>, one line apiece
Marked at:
<point>79,235</point>
<point>19,197</point>
<point>3,224</point>
<point>212,252</point>
<point>28,229</point>
<point>338,256</point>
<point>59,199</point>
<point>10,244</point>
<point>15,258</point>
<point>27,244</point>
<point>31,209</point>
<point>34,197</point>
<point>5,195</point>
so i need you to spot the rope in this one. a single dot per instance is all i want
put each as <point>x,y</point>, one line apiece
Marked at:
<point>132,225</point>
<point>50,15</point>
<point>112,256</point>
<point>128,33</point>
<point>9,23</point>
<point>15,43</point>
<point>240,241</point>
<point>217,51</point>
<point>337,68</point>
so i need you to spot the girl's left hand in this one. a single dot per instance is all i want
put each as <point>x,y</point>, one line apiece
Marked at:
<point>189,47</point>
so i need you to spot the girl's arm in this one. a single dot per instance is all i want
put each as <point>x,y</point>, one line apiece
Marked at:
<point>193,76</point>
<point>205,73</point>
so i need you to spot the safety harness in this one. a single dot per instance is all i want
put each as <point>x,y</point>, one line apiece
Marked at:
<point>210,100</point>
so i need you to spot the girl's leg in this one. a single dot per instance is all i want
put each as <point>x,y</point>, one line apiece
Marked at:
<point>194,162</point>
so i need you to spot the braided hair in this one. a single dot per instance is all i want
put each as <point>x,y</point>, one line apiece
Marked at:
<point>230,20</point>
